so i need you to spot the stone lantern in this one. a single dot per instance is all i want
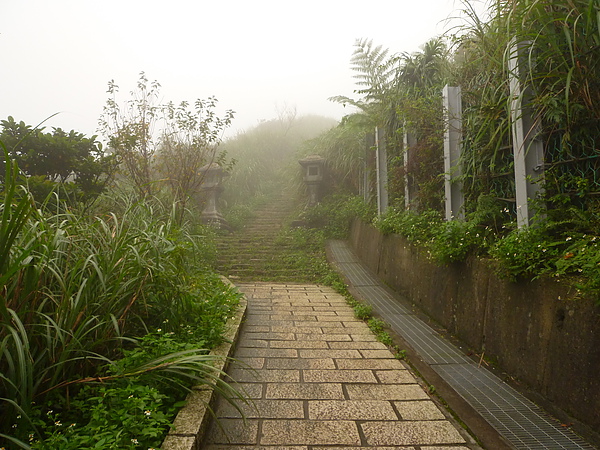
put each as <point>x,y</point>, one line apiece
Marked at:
<point>211,188</point>
<point>314,168</point>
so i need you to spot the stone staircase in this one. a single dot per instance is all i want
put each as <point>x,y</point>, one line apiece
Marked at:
<point>260,251</point>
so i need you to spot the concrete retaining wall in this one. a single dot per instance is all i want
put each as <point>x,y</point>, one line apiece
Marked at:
<point>535,331</point>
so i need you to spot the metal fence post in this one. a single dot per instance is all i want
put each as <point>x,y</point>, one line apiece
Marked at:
<point>527,148</point>
<point>452,152</point>
<point>409,142</point>
<point>367,168</point>
<point>382,173</point>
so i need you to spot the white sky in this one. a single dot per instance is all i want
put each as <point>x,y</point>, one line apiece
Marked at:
<point>256,57</point>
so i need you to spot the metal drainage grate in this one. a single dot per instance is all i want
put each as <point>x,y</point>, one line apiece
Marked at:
<point>519,420</point>
<point>515,417</point>
<point>341,253</point>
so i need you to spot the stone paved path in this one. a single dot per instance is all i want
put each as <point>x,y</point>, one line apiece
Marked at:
<point>318,379</point>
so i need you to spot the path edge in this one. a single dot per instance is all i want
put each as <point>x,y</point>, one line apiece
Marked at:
<point>192,420</point>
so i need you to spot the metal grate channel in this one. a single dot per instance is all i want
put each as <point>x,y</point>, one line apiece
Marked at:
<point>516,418</point>
<point>357,274</point>
<point>522,422</point>
<point>424,339</point>
<point>383,300</point>
<point>341,253</point>
<point>427,342</point>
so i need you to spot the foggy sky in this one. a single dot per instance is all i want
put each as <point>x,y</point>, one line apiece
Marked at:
<point>257,57</point>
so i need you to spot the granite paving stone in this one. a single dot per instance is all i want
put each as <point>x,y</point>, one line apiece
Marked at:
<point>375,448</point>
<point>351,410</point>
<point>298,344</point>
<point>305,318</point>
<point>339,376</point>
<point>375,353</point>
<point>265,409</point>
<point>234,431</point>
<point>249,390</point>
<point>257,328</point>
<point>372,364</point>
<point>386,392</point>
<point>329,353</point>
<point>317,378</point>
<point>254,343</point>
<point>254,363</point>
<point>310,432</point>
<point>394,376</point>
<point>265,375</point>
<point>324,391</point>
<point>420,410</point>
<point>297,363</point>
<point>266,352</point>
<point>321,324</point>
<point>257,447</point>
<point>265,335</point>
<point>411,433</point>
<point>335,318</point>
<point>295,329</point>
<point>358,345</point>
<point>324,337</point>
<point>362,337</point>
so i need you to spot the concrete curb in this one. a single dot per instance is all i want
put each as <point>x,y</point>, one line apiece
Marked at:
<point>192,420</point>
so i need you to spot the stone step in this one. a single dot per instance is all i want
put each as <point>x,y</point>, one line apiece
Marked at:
<point>257,250</point>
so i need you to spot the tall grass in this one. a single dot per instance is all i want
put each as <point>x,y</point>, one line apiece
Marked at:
<point>75,289</point>
<point>560,42</point>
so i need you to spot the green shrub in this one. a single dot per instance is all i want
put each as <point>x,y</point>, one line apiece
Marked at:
<point>525,252</point>
<point>124,415</point>
<point>335,213</point>
<point>417,228</point>
<point>455,240</point>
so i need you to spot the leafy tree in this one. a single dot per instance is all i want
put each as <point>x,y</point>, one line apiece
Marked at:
<point>130,130</point>
<point>189,142</point>
<point>376,75</point>
<point>163,144</point>
<point>71,161</point>
<point>425,71</point>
